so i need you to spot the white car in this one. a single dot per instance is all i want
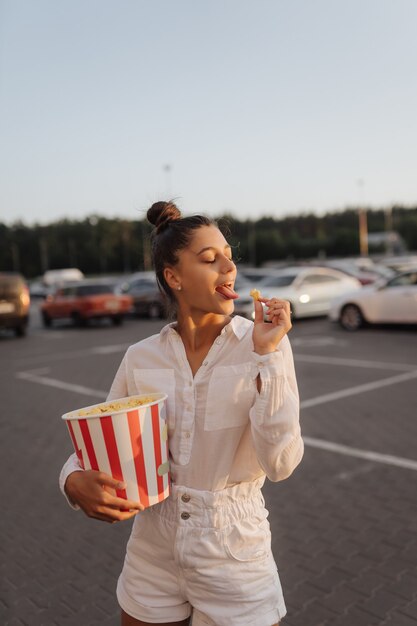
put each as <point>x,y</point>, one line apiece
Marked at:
<point>309,290</point>
<point>393,301</point>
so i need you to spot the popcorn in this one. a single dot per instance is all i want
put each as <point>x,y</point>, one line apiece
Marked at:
<point>112,407</point>
<point>255,293</point>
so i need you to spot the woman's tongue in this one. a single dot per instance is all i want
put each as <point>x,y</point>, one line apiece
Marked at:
<point>227,292</point>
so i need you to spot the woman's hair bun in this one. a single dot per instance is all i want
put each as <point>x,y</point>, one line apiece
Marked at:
<point>161,213</point>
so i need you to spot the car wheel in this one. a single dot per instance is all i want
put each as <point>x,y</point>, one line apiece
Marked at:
<point>154,311</point>
<point>351,317</point>
<point>116,320</point>
<point>78,320</point>
<point>20,331</point>
<point>46,320</point>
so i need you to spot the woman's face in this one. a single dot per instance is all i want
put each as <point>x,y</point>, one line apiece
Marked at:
<point>206,273</point>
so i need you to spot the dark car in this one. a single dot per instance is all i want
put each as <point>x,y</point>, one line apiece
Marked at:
<point>147,299</point>
<point>84,301</point>
<point>14,302</point>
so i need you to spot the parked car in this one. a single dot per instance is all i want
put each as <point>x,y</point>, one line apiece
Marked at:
<point>65,275</point>
<point>38,289</point>
<point>366,273</point>
<point>84,301</point>
<point>14,302</point>
<point>144,291</point>
<point>254,274</point>
<point>392,301</point>
<point>308,289</point>
<point>400,263</point>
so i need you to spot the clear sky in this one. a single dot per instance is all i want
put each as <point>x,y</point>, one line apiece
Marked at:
<point>261,107</point>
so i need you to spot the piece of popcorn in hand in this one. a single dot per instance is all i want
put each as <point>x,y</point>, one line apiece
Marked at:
<point>255,293</point>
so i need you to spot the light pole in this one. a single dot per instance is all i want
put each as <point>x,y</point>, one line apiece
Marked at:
<point>389,247</point>
<point>363,224</point>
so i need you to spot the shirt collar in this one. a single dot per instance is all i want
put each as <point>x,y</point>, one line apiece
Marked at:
<point>238,325</point>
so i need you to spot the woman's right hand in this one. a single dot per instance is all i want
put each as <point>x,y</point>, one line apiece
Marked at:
<point>90,490</point>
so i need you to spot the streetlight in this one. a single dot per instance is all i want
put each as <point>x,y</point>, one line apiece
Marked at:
<point>363,225</point>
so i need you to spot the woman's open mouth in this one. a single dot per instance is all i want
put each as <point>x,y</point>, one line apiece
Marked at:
<point>226,291</point>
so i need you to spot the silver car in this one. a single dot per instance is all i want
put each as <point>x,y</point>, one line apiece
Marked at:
<point>309,290</point>
<point>387,302</point>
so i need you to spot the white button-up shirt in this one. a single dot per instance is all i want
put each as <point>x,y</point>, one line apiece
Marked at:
<point>221,431</point>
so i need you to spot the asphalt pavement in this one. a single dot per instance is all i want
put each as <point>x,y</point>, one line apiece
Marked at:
<point>344,524</point>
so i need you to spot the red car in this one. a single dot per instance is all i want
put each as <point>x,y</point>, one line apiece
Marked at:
<point>84,301</point>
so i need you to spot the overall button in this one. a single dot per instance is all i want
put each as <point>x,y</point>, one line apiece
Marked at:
<point>185,497</point>
<point>185,515</point>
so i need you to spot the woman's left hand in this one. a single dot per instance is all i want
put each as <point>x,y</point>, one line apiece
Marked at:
<point>266,336</point>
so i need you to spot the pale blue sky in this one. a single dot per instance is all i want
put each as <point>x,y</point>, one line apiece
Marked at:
<point>267,107</point>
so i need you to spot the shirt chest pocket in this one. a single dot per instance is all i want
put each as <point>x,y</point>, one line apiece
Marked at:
<point>231,394</point>
<point>158,381</point>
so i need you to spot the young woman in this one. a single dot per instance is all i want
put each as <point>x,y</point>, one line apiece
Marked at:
<point>233,418</point>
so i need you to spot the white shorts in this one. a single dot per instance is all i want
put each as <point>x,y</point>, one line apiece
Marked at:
<point>206,554</point>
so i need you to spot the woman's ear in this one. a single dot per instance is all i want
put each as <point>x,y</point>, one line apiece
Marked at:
<point>172,279</point>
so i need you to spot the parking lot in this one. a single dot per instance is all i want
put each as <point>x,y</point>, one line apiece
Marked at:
<point>344,525</point>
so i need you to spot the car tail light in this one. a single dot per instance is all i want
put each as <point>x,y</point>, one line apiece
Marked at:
<point>25,297</point>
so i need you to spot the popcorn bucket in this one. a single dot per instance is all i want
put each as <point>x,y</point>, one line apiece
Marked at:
<point>128,439</point>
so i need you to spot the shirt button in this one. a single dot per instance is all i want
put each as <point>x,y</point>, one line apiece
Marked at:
<point>205,362</point>
<point>187,434</point>
<point>185,515</point>
<point>186,498</point>
<point>260,364</point>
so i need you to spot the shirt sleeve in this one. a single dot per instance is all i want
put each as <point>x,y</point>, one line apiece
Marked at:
<point>71,465</point>
<point>117,390</point>
<point>275,422</point>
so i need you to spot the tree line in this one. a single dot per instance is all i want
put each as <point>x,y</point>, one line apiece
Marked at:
<point>99,245</point>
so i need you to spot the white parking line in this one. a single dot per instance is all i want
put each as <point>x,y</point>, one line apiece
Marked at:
<point>35,376</point>
<point>328,360</point>
<point>121,347</point>
<point>353,391</point>
<point>318,341</point>
<point>59,384</point>
<point>387,459</point>
<point>74,354</point>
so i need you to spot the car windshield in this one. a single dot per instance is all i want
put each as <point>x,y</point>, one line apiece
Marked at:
<point>90,290</point>
<point>403,280</point>
<point>278,281</point>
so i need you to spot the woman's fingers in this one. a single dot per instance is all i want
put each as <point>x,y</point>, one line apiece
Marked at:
<point>115,502</point>
<point>278,309</point>
<point>259,311</point>
<point>112,515</point>
<point>89,489</point>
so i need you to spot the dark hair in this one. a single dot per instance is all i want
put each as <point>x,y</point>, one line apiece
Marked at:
<point>172,233</point>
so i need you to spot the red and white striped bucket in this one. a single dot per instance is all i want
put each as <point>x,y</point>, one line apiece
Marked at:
<point>130,444</point>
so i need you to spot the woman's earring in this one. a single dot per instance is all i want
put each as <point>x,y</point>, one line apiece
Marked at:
<point>179,288</point>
